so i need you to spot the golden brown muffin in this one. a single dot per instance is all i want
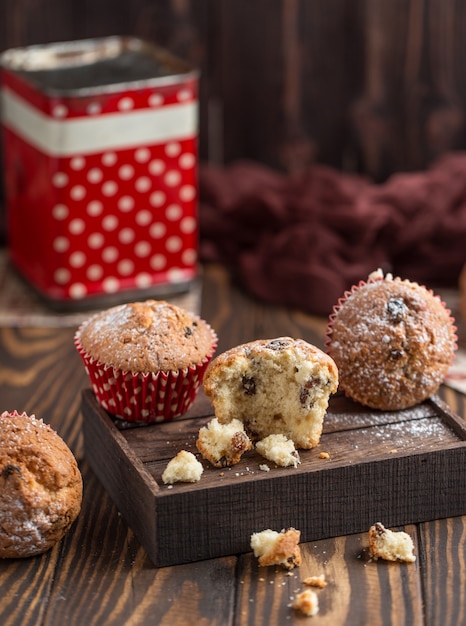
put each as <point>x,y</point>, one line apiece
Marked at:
<point>146,360</point>
<point>393,342</point>
<point>40,486</point>
<point>147,337</point>
<point>274,386</point>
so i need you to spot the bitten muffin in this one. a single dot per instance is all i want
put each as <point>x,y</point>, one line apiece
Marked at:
<point>146,360</point>
<point>274,386</point>
<point>40,486</point>
<point>393,342</point>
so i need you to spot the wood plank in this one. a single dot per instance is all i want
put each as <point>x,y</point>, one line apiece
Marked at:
<point>402,472</point>
<point>444,564</point>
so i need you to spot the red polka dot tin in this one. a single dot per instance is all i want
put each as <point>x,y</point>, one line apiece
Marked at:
<point>100,156</point>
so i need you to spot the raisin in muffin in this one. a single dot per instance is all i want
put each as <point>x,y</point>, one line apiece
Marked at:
<point>274,386</point>
<point>40,486</point>
<point>393,342</point>
<point>146,360</point>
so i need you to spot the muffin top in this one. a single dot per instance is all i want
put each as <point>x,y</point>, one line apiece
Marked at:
<point>393,342</point>
<point>147,337</point>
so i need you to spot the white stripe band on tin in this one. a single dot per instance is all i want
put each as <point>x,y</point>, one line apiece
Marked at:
<point>112,131</point>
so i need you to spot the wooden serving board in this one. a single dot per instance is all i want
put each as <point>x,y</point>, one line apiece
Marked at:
<point>393,467</point>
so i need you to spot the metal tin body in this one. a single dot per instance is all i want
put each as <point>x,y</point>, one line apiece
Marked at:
<point>100,152</point>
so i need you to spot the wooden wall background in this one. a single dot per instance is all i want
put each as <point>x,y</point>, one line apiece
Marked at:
<point>372,86</point>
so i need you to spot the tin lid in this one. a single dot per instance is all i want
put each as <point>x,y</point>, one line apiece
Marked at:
<point>91,66</point>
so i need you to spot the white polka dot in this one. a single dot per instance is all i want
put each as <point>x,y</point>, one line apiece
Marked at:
<point>172,149</point>
<point>94,108</point>
<point>126,235</point>
<point>174,212</point>
<point>62,275</point>
<point>157,198</point>
<point>110,254</point>
<point>175,275</point>
<point>77,226</point>
<point>142,249</point>
<point>143,218</point>
<point>111,284</point>
<point>155,100</point>
<point>60,211</point>
<point>125,267</point>
<point>187,161</point>
<point>174,244</point>
<point>109,158</point>
<point>94,272</point>
<point>95,241</point>
<point>78,192</point>
<point>95,208</point>
<point>188,225</point>
<point>77,163</point>
<point>78,290</point>
<point>126,172</point>
<point>187,193</point>
<point>172,178</point>
<point>189,256</point>
<point>109,188</point>
<point>157,230</point>
<point>156,167</point>
<point>142,155</point>
<point>183,95</point>
<point>61,244</point>
<point>143,280</point>
<point>126,203</point>
<point>94,175</point>
<point>60,110</point>
<point>158,262</point>
<point>125,104</point>
<point>60,179</point>
<point>143,184</point>
<point>77,259</point>
<point>110,222</point>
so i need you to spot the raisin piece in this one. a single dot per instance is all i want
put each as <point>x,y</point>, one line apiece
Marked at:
<point>188,331</point>
<point>249,385</point>
<point>396,309</point>
<point>239,442</point>
<point>8,470</point>
<point>303,395</point>
<point>396,355</point>
<point>278,344</point>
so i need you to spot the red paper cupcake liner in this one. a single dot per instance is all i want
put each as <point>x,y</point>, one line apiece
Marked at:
<point>145,397</point>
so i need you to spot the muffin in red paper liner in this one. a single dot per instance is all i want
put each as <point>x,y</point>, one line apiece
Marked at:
<point>40,486</point>
<point>393,341</point>
<point>146,360</point>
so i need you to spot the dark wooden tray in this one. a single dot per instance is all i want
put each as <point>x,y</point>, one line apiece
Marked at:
<point>394,467</point>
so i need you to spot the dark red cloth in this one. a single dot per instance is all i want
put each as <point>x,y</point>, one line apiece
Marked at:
<point>303,240</point>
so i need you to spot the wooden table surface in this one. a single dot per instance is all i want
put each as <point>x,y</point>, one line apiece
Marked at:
<point>99,574</point>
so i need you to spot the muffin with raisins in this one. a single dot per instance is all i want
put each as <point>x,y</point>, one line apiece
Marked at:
<point>274,386</point>
<point>393,342</point>
<point>146,360</point>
